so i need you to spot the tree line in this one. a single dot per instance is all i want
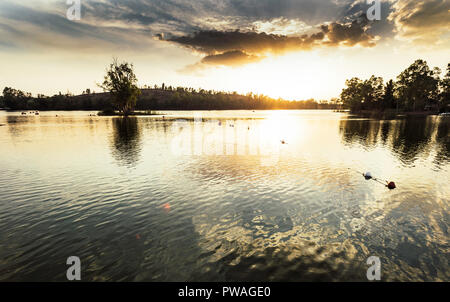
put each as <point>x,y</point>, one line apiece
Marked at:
<point>417,88</point>
<point>155,98</point>
<point>122,94</point>
<point>15,99</point>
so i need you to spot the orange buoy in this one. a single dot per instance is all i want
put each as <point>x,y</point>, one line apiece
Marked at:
<point>166,207</point>
<point>391,185</point>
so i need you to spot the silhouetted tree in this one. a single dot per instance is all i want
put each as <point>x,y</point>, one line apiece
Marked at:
<point>389,101</point>
<point>417,86</point>
<point>121,81</point>
<point>352,95</point>
<point>445,91</point>
<point>372,92</point>
<point>15,99</point>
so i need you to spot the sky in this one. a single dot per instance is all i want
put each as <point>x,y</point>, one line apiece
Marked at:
<point>292,49</point>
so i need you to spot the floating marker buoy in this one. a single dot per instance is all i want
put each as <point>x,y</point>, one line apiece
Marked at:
<point>367,175</point>
<point>166,207</point>
<point>391,185</point>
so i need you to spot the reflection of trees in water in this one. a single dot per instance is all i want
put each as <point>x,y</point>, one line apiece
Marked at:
<point>385,129</point>
<point>443,140</point>
<point>126,140</point>
<point>16,125</point>
<point>407,138</point>
<point>412,138</point>
<point>364,132</point>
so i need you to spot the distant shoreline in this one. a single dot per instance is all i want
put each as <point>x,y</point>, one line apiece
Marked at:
<point>161,99</point>
<point>142,112</point>
<point>393,113</point>
<point>370,113</point>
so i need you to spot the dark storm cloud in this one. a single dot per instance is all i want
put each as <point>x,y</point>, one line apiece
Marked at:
<point>246,47</point>
<point>211,42</point>
<point>349,34</point>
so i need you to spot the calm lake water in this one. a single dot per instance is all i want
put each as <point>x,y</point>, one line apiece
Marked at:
<point>223,196</point>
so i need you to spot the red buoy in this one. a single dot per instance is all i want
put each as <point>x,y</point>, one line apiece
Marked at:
<point>391,185</point>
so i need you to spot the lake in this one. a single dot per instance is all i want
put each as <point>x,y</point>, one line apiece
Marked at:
<point>223,196</point>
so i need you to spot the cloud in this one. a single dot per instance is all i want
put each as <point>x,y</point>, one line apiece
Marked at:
<point>214,42</point>
<point>111,23</point>
<point>185,16</point>
<point>208,26</point>
<point>349,34</point>
<point>233,48</point>
<point>32,28</point>
<point>309,11</point>
<point>231,58</point>
<point>422,21</point>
